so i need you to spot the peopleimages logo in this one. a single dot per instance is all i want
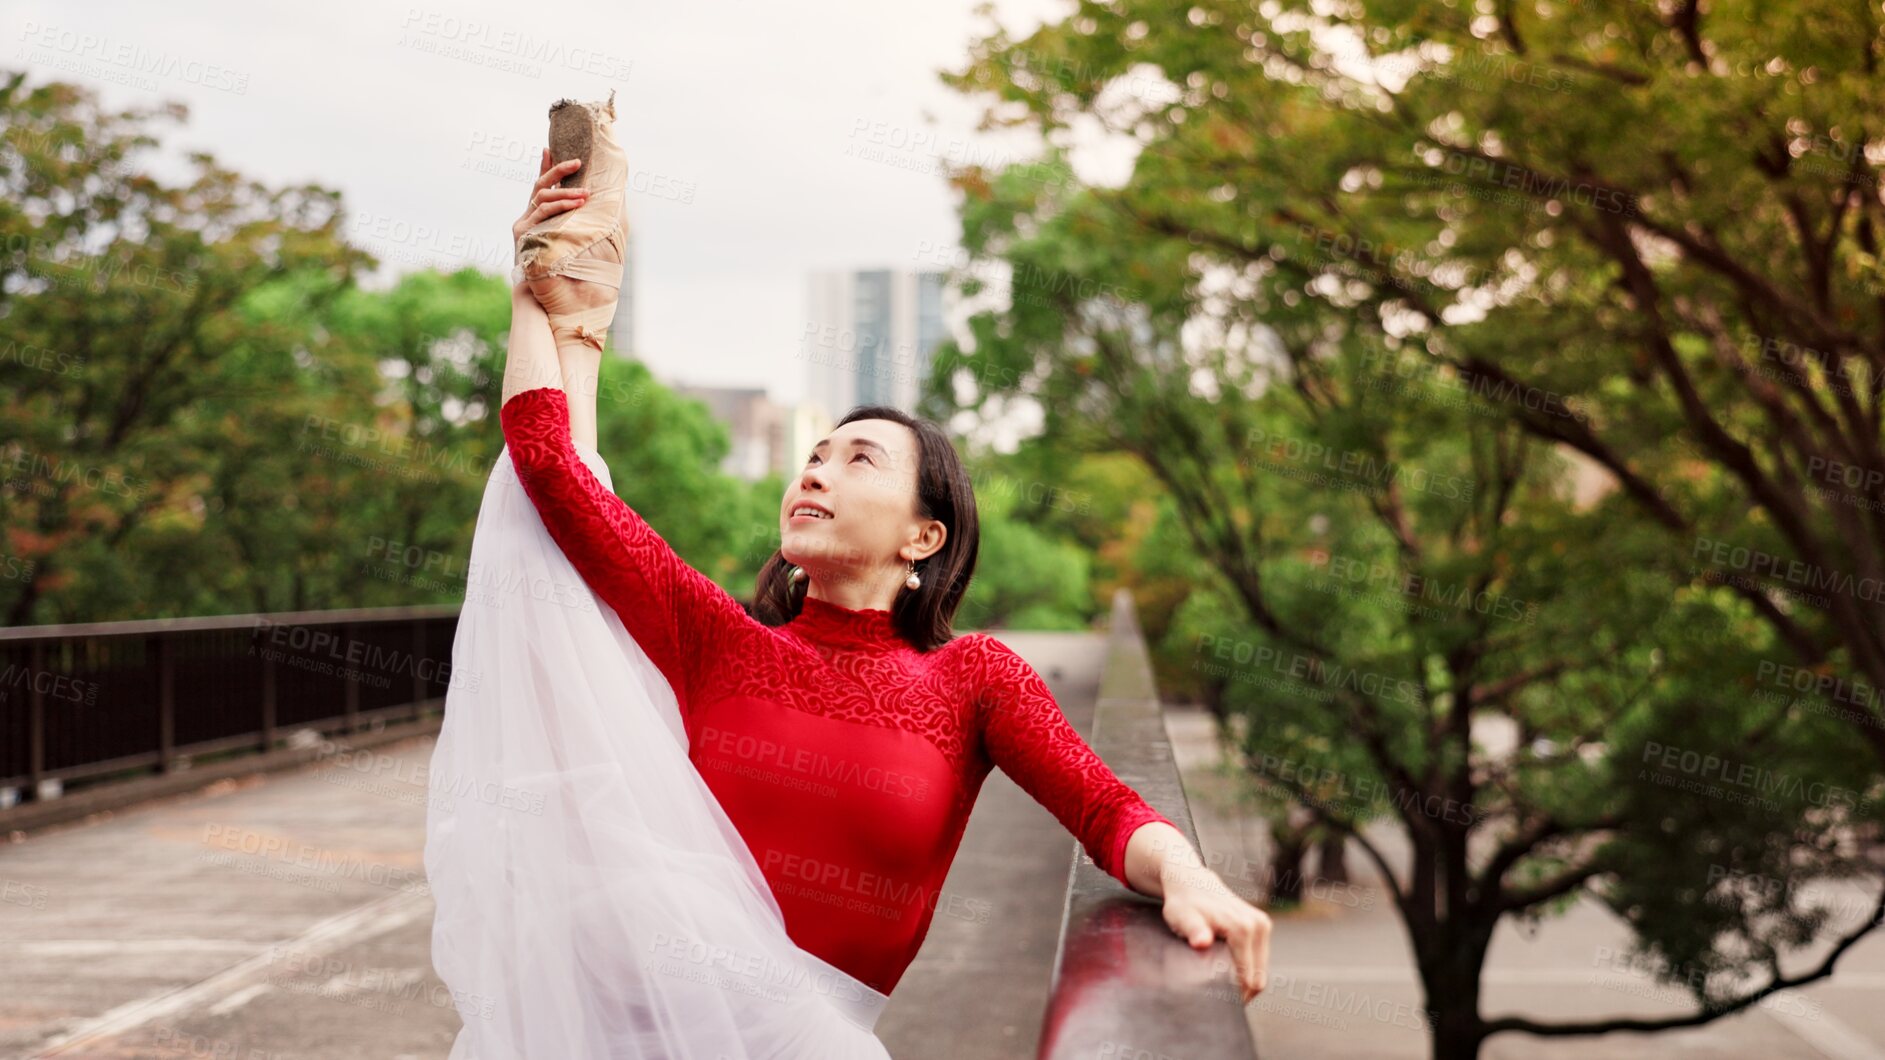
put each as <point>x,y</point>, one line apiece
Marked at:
<point>133,56</point>
<point>1727,554</point>
<point>761,751</point>
<point>1295,665</point>
<point>1493,172</point>
<point>480,37</point>
<point>1700,767</point>
<point>1334,788</point>
<point>1355,464</point>
<point>1347,574</point>
<point>1831,686</point>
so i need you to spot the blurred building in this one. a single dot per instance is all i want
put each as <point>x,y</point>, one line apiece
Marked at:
<point>1590,481</point>
<point>622,325</point>
<point>805,425</point>
<point>754,421</point>
<point>767,437</point>
<point>868,337</point>
<point>867,340</point>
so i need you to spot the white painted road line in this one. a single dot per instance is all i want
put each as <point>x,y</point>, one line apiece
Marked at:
<point>1389,975</point>
<point>238,999</point>
<point>1824,1032</point>
<point>129,947</point>
<point>1830,1035</point>
<point>364,922</point>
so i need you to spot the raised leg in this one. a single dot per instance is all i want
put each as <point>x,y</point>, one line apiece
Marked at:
<point>582,375</point>
<point>535,360</point>
<point>573,261</point>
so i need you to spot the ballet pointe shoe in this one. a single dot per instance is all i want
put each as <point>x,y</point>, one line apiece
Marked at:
<point>572,261</point>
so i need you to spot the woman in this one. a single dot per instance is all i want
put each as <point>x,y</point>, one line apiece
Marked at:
<point>746,815</point>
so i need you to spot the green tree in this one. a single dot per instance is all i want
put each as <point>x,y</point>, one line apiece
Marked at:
<point>146,328</point>
<point>664,453</point>
<point>1429,633</point>
<point>205,414</point>
<point>1026,577</point>
<point>1647,232</point>
<point>1644,234</point>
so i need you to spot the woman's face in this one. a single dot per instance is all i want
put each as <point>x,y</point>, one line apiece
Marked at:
<point>863,475</point>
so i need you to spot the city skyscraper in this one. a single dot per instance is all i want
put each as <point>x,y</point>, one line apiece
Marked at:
<point>757,427</point>
<point>868,337</point>
<point>622,325</point>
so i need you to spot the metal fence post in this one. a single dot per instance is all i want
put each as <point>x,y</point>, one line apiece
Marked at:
<point>166,702</point>
<point>36,761</point>
<point>141,664</point>
<point>267,742</point>
<point>353,681</point>
<point>418,656</point>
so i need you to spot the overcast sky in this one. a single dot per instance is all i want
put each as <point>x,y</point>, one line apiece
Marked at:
<point>742,121</point>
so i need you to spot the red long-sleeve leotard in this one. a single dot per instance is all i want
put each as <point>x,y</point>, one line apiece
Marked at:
<point>847,760</point>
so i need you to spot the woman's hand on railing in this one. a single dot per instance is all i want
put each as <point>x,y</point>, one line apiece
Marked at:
<point>1199,906</point>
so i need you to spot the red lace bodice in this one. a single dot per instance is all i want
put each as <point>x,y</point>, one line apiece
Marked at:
<point>847,760</point>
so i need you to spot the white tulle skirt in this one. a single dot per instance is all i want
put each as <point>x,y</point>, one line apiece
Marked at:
<point>593,899</point>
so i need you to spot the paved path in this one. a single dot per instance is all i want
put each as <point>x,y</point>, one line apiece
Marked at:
<point>287,916</point>
<point>979,987</point>
<point>1344,984</point>
<point>276,916</point>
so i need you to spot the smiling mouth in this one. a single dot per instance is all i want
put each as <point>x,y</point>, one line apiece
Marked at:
<point>808,514</point>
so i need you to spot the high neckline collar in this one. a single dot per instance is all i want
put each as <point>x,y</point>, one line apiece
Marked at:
<point>828,623</point>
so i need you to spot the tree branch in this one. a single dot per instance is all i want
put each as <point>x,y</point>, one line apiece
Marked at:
<point>1708,1013</point>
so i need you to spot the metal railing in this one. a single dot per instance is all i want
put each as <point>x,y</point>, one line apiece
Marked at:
<point>91,701</point>
<point>1123,984</point>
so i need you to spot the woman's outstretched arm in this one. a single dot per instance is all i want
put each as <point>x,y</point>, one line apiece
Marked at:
<point>536,361</point>
<point>675,613</point>
<point>1027,735</point>
<point>530,361</point>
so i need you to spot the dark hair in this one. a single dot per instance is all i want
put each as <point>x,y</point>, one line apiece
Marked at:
<point>943,492</point>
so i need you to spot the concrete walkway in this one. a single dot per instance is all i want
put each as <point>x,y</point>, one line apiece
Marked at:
<point>1343,981</point>
<point>979,987</point>
<point>287,915</point>
<point>276,916</point>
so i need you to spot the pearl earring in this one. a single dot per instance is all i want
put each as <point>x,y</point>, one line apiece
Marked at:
<point>915,580</point>
<point>798,575</point>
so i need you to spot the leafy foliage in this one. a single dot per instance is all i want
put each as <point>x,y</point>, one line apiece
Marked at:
<point>206,414</point>
<point>1385,283</point>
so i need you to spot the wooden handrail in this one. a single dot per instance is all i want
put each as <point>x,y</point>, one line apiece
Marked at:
<point>1124,986</point>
